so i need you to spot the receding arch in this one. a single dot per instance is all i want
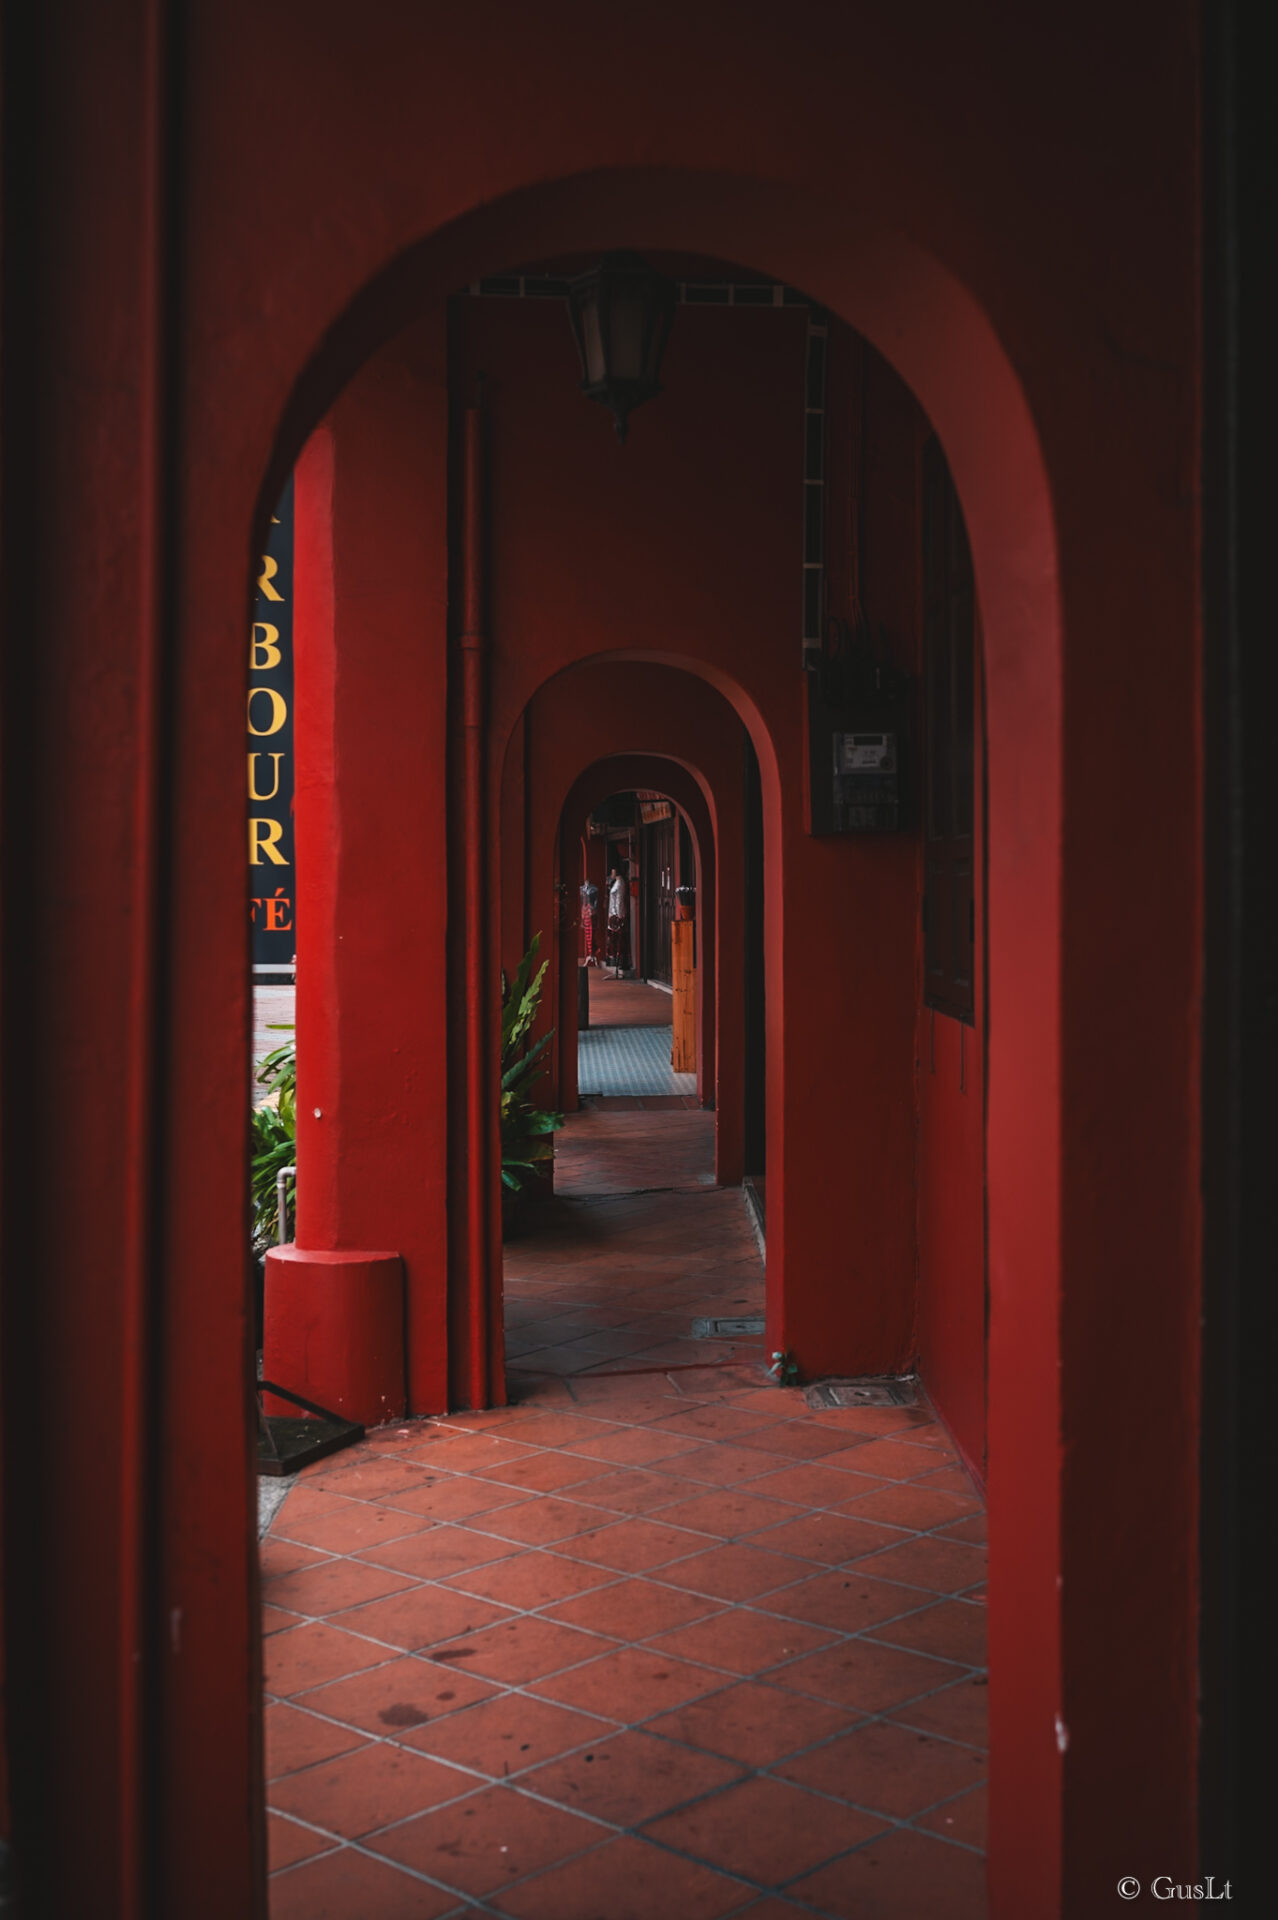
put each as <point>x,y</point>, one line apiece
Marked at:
<point>936,335</point>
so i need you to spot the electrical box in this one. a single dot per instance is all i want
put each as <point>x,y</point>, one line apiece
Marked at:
<point>858,738</point>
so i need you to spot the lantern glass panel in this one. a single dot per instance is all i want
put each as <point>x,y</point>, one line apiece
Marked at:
<point>627,330</point>
<point>594,361</point>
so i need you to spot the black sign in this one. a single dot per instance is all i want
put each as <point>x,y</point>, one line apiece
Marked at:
<point>270,754</point>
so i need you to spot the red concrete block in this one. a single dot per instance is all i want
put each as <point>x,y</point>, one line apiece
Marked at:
<point>334,1331</point>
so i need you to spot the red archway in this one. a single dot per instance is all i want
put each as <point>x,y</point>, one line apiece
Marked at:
<point>1093,1678</point>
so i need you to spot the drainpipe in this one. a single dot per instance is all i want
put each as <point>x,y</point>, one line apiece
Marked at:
<point>473,649</point>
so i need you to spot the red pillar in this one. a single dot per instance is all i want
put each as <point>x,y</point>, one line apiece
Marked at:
<point>370,717</point>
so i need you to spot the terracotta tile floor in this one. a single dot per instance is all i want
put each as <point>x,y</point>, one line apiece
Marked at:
<point>643,1645</point>
<point>626,1003</point>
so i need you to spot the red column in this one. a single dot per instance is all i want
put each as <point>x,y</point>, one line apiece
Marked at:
<point>370,718</point>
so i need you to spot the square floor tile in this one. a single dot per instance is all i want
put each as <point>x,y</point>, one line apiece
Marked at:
<point>907,1505</point>
<point>455,1497</point>
<point>352,1886</point>
<point>735,1572</point>
<point>631,1777</point>
<point>437,1552</point>
<point>630,1490</point>
<point>888,1768</point>
<point>830,1539</point>
<point>635,1545</point>
<point>558,1429</point>
<point>277,1557</point>
<point>960,1712</point>
<point>808,1486</point>
<point>633,1681</point>
<point>890,1459</point>
<point>752,1723</point>
<point>952,1630</point>
<point>625,1879</point>
<point>721,1466</point>
<point>425,1616</point>
<point>965,1819</point>
<point>359,1792</point>
<point>865,1675</point>
<point>275,1619</point>
<point>336,1585</point>
<point>949,1480</point>
<point>472,1452</point>
<point>296,1738</point>
<point>531,1579</point>
<point>634,1609</point>
<point>354,1524</point>
<point>943,1566</point>
<point>845,1599</point>
<point>364,1474</point>
<point>742,1641</point>
<point>307,1656</point>
<point>798,1440</point>
<point>727,1513</point>
<point>540,1473</point>
<point>636,1446</point>
<point>522,1649</point>
<point>764,1830</point>
<point>542,1522</point>
<point>973,1530</point>
<point>287,1842</point>
<point>508,1734</point>
<point>901,1877</point>
<point>715,1421</point>
<point>480,1844</point>
<point>402,1694</point>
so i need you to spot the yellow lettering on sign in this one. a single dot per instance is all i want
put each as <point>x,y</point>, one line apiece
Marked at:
<point>279,712</point>
<point>264,838</point>
<point>269,570</point>
<point>264,653</point>
<point>275,759</point>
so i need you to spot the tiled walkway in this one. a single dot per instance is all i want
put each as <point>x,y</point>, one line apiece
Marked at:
<point>629,1060</point>
<point>626,1003</point>
<point>646,1645</point>
<point>636,1245</point>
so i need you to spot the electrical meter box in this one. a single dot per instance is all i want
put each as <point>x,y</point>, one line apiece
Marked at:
<point>866,773</point>
<point>858,739</point>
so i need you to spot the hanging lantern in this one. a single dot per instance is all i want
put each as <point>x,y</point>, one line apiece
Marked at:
<point>621,314</point>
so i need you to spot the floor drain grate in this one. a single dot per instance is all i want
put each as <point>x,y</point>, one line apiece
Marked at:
<point>739,1329</point>
<point>885,1392</point>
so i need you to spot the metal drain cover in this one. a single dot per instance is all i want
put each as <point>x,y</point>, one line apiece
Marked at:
<point>728,1329</point>
<point>901,1391</point>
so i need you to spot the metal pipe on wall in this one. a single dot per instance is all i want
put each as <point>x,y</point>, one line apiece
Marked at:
<point>473,659</point>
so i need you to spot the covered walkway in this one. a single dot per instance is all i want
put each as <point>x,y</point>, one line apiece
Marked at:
<point>655,1639</point>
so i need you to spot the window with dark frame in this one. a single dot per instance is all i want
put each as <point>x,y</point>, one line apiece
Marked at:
<point>949,724</point>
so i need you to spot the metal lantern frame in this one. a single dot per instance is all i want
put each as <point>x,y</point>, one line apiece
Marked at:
<point>621,284</point>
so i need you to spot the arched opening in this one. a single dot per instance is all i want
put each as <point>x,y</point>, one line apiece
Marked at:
<point>596,678</point>
<point>438,156</point>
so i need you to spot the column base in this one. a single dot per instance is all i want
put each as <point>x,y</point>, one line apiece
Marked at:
<point>333,1331</point>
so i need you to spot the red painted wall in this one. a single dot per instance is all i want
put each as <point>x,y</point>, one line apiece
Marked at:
<point>1058,358</point>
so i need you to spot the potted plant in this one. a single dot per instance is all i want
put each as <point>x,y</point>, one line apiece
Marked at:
<point>527,1148</point>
